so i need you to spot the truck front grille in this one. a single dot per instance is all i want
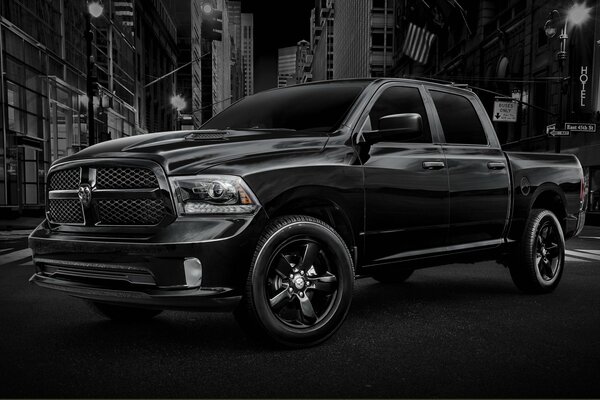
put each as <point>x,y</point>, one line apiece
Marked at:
<point>120,195</point>
<point>125,178</point>
<point>65,211</point>
<point>66,179</point>
<point>131,211</point>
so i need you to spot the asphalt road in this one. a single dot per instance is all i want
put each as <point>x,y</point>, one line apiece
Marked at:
<point>456,331</point>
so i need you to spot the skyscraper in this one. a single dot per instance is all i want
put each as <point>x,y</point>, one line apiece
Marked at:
<point>248,52</point>
<point>286,66</point>
<point>363,32</point>
<point>322,40</point>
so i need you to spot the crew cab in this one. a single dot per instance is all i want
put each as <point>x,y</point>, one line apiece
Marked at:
<point>276,204</point>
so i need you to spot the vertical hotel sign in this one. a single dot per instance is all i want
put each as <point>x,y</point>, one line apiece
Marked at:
<point>584,74</point>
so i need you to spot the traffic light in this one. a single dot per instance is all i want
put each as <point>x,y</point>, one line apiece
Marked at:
<point>212,24</point>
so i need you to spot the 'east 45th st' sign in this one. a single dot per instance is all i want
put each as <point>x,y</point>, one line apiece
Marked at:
<point>580,127</point>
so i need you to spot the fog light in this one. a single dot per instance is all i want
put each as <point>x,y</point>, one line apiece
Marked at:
<point>193,272</point>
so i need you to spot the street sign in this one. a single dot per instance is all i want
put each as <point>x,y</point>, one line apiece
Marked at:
<point>559,133</point>
<point>580,127</point>
<point>505,111</point>
<point>550,128</point>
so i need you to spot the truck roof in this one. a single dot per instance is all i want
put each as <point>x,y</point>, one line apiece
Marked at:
<point>430,82</point>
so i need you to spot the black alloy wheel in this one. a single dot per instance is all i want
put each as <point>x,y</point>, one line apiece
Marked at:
<point>302,282</point>
<point>537,266</point>
<point>547,255</point>
<point>299,286</point>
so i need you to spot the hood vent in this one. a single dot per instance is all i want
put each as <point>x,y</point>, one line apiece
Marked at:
<point>208,135</point>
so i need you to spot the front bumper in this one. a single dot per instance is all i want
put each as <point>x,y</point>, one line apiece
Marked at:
<point>207,299</point>
<point>147,270</point>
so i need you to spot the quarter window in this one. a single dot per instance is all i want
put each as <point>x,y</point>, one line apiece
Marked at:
<point>460,122</point>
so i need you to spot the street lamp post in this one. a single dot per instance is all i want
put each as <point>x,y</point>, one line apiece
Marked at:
<point>95,9</point>
<point>577,14</point>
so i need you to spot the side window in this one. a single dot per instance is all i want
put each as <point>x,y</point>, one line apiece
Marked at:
<point>460,122</point>
<point>400,100</point>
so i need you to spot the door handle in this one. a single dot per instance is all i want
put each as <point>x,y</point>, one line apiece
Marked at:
<point>496,165</point>
<point>433,164</point>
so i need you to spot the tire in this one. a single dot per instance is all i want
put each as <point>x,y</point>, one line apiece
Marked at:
<point>392,275</point>
<point>122,313</point>
<point>300,282</point>
<point>539,262</point>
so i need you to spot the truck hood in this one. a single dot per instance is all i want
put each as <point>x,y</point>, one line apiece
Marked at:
<point>190,152</point>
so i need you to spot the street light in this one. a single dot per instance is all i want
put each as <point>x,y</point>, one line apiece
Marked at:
<point>577,14</point>
<point>95,9</point>
<point>207,8</point>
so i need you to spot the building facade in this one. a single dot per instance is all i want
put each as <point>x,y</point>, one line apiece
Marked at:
<point>363,32</point>
<point>43,101</point>
<point>217,77</point>
<point>286,66</point>
<point>182,13</point>
<point>303,62</point>
<point>322,39</point>
<point>248,53</point>
<point>156,53</point>
<point>501,50</point>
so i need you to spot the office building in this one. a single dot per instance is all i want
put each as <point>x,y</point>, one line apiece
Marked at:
<point>363,32</point>
<point>43,101</point>
<point>248,52</point>
<point>322,39</point>
<point>286,66</point>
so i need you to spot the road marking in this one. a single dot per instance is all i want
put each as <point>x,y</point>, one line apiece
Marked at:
<point>590,251</point>
<point>573,259</point>
<point>581,254</point>
<point>15,256</point>
<point>589,237</point>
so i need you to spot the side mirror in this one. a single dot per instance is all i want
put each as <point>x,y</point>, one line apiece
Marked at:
<point>396,127</point>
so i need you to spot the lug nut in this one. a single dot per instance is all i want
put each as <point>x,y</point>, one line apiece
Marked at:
<point>301,272</point>
<point>301,294</point>
<point>291,276</point>
<point>290,290</point>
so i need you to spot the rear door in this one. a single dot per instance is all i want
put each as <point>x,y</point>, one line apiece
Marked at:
<point>406,181</point>
<point>479,178</point>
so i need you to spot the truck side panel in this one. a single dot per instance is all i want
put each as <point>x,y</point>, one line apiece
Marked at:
<point>545,180</point>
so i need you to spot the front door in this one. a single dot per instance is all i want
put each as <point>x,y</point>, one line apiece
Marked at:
<point>406,183</point>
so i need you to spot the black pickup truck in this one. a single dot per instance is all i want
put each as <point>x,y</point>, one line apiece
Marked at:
<point>275,206</point>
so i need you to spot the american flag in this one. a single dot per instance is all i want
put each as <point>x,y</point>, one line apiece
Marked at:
<point>417,43</point>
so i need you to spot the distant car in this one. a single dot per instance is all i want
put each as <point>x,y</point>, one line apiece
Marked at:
<point>274,206</point>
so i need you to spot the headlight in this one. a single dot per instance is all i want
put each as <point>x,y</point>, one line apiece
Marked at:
<point>212,194</point>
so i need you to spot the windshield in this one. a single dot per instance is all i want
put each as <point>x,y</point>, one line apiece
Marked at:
<point>317,107</point>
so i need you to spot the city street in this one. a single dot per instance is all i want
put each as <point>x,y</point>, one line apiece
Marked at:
<point>457,331</point>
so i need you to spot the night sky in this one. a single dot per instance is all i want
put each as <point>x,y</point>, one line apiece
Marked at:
<point>277,23</point>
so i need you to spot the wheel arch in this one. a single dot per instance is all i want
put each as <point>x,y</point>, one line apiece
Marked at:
<point>320,203</point>
<point>550,197</point>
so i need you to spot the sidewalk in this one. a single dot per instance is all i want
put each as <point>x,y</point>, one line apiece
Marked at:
<point>20,223</point>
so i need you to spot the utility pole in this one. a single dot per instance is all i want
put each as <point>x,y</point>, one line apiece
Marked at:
<point>90,79</point>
